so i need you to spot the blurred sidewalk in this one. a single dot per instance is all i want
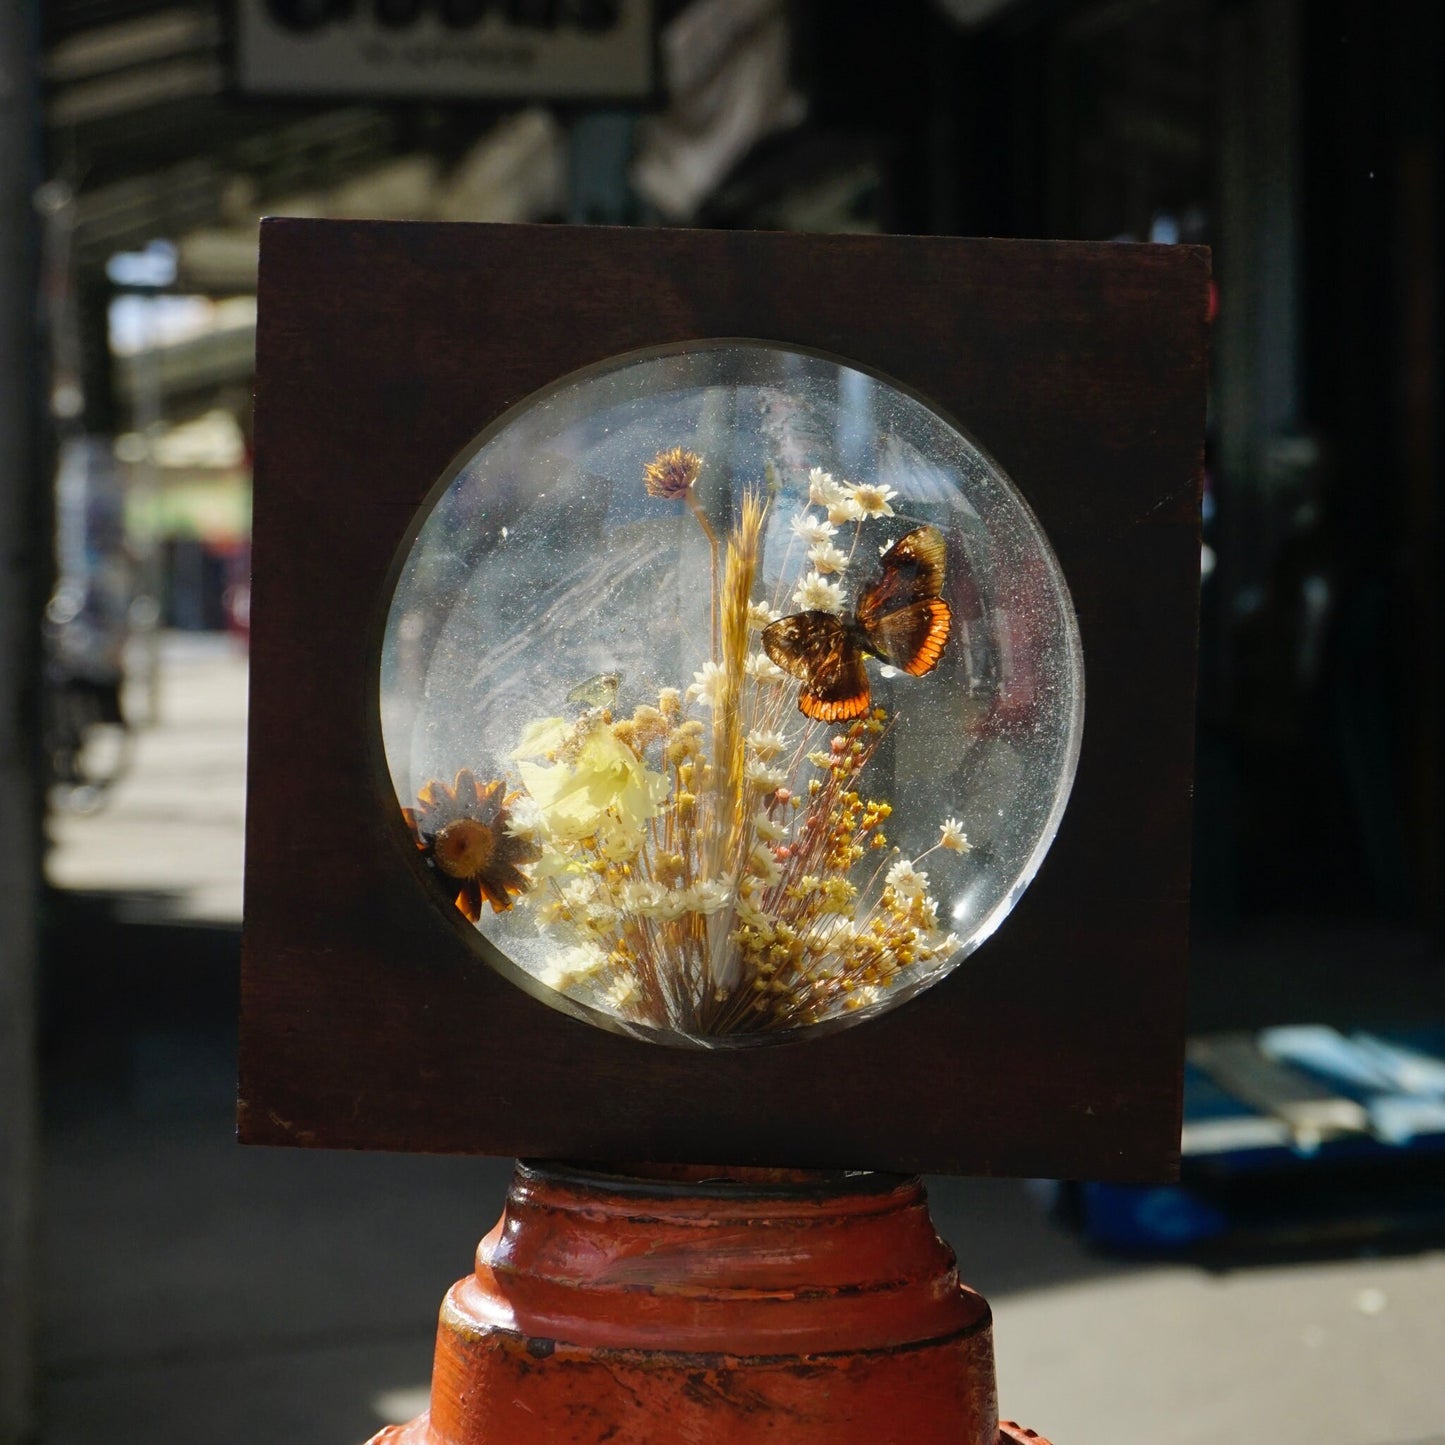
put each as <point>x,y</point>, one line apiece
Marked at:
<point>197,1291</point>
<point>166,841</point>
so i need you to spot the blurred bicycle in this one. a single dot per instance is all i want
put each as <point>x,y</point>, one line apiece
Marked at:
<point>87,739</point>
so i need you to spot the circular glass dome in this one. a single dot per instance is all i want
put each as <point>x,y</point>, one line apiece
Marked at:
<point>729,691</point>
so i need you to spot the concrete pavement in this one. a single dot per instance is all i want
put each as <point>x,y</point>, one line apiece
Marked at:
<point>197,1291</point>
<point>167,841</point>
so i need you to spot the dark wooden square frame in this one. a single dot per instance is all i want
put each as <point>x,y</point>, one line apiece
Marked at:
<point>368,1022</point>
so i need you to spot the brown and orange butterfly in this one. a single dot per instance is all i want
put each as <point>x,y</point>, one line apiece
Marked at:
<point>898,618</point>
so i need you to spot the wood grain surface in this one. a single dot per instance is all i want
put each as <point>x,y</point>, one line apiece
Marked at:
<point>368,1021</point>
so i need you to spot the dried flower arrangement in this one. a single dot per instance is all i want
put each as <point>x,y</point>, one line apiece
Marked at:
<point>707,866</point>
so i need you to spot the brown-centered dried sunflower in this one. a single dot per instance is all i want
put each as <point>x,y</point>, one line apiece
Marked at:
<point>671,473</point>
<point>462,832</point>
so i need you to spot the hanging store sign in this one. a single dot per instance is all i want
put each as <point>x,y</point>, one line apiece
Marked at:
<point>459,49</point>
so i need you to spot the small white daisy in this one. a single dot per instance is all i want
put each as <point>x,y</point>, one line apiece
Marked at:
<point>759,615</point>
<point>763,866</point>
<point>761,668</point>
<point>572,967</point>
<point>619,841</point>
<point>872,498</point>
<point>670,903</point>
<point>811,529</point>
<point>552,912</point>
<point>747,914</point>
<point>764,778</point>
<point>827,558</point>
<point>845,509</point>
<point>816,594</point>
<point>767,830</point>
<point>591,913</point>
<point>865,996</point>
<point>951,836</point>
<point>766,744</point>
<point>624,993</point>
<point>906,880</point>
<point>822,489</point>
<point>924,912</point>
<point>581,892</point>
<point>707,684</point>
<point>709,896</point>
<point>634,895</point>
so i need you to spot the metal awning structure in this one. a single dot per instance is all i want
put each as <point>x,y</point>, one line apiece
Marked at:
<point>148,140</point>
<point>142,125</point>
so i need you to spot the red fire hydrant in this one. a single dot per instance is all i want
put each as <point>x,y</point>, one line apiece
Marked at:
<point>683,1304</point>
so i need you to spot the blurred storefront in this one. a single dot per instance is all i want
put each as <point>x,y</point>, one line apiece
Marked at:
<point>1301,141</point>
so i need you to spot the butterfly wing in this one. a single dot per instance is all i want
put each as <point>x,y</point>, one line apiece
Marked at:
<point>912,637</point>
<point>900,612</point>
<point>816,648</point>
<point>911,570</point>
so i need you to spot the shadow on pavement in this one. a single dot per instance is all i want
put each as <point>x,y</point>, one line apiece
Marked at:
<point>194,1289</point>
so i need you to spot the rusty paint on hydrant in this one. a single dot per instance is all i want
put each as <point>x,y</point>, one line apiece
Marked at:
<point>688,1305</point>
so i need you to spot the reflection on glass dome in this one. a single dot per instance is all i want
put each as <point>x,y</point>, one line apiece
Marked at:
<point>729,691</point>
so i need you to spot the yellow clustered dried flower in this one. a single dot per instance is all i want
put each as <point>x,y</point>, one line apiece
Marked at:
<point>735,913</point>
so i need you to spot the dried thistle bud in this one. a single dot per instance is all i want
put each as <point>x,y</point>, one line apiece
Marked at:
<point>671,473</point>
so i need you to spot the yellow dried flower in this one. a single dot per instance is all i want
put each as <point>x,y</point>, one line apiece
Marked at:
<point>606,784</point>
<point>683,745</point>
<point>649,723</point>
<point>669,868</point>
